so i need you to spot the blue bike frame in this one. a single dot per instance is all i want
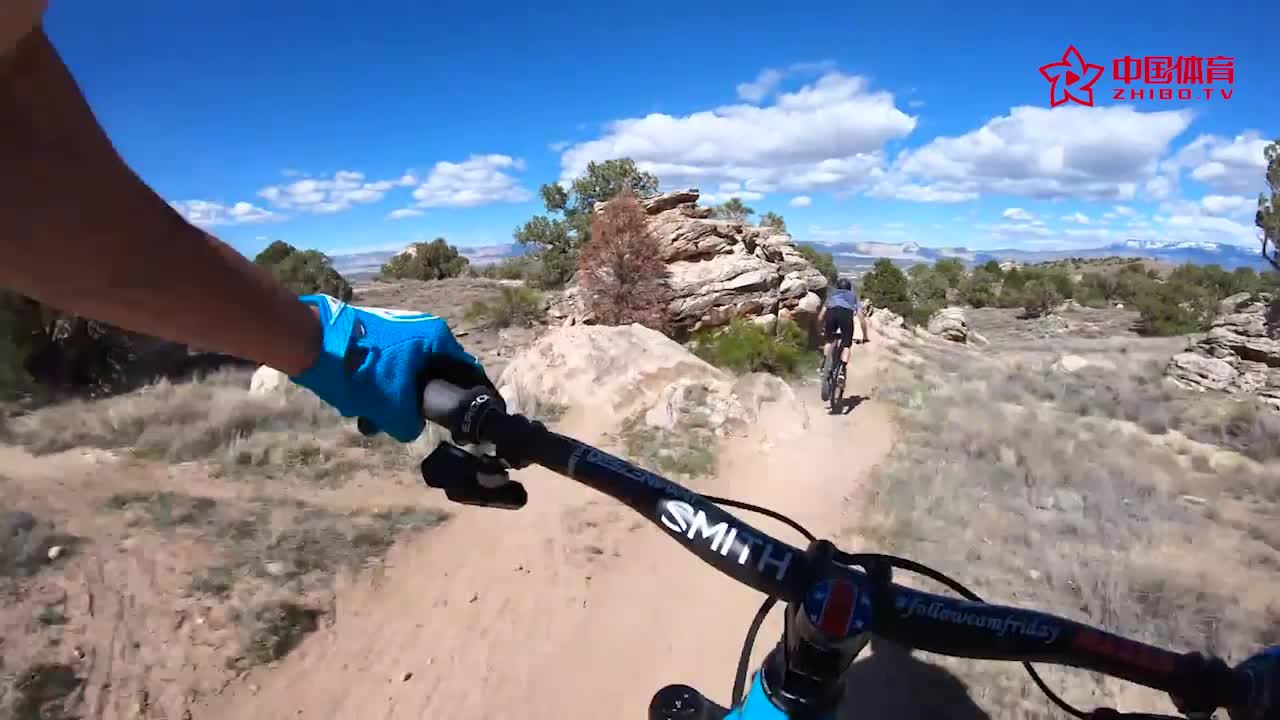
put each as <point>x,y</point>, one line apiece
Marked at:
<point>757,705</point>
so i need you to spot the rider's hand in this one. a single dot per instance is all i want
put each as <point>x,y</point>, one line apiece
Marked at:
<point>375,362</point>
<point>1264,698</point>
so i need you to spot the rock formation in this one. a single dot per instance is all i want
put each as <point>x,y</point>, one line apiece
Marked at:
<point>1240,354</point>
<point>721,269</point>
<point>949,323</point>
<point>632,373</point>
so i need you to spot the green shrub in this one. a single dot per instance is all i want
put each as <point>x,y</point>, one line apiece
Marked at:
<point>46,348</point>
<point>886,285</point>
<point>521,267</point>
<point>435,260</point>
<point>823,262</point>
<point>304,272</point>
<point>1175,309</point>
<point>927,286</point>
<point>16,336</point>
<point>1040,296</point>
<point>520,306</point>
<point>978,289</point>
<point>1010,297</point>
<point>745,347</point>
<point>920,314</point>
<point>951,270</point>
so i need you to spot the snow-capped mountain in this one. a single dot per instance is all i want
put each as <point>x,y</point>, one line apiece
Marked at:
<point>860,255</point>
<point>857,254</point>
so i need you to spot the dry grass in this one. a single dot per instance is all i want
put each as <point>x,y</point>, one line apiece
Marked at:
<point>678,453</point>
<point>272,560</point>
<point>690,448</point>
<point>286,542</point>
<point>41,693</point>
<point>25,542</point>
<point>215,419</point>
<point>1079,494</point>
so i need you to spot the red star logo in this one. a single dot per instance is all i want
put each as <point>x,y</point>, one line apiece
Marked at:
<point>1071,78</point>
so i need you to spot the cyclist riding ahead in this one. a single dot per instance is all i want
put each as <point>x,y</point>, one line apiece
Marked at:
<point>84,234</point>
<point>836,320</point>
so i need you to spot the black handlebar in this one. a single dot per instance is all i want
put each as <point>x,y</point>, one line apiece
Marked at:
<point>935,623</point>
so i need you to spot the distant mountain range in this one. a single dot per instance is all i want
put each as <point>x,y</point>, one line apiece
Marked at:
<point>367,264</point>
<point>854,256</point>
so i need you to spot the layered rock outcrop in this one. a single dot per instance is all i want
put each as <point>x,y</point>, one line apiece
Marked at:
<point>721,269</point>
<point>1240,353</point>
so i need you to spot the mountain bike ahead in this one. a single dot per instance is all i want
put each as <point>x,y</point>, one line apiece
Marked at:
<point>834,600</point>
<point>833,372</point>
<point>833,377</point>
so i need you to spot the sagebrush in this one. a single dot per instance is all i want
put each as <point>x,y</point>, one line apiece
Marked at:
<point>623,276</point>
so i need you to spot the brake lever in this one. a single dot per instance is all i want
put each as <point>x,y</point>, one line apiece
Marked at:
<point>471,479</point>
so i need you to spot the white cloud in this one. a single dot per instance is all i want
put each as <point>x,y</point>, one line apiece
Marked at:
<point>1227,164</point>
<point>207,213</point>
<point>764,84</point>
<point>1067,152</point>
<point>478,180</point>
<point>1077,217</point>
<point>402,213</point>
<point>1195,221</point>
<point>827,135</point>
<point>324,196</point>
<point>1015,231</point>
<point>1117,211</point>
<point>559,146</point>
<point>731,190</point>
<point>820,233</point>
<point>1017,215</point>
<point>1160,187</point>
<point>919,193</point>
<point>801,201</point>
<point>1241,206</point>
<point>915,104</point>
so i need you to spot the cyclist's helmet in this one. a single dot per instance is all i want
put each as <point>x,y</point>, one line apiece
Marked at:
<point>844,284</point>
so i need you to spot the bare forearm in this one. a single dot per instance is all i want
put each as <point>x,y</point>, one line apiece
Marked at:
<point>84,234</point>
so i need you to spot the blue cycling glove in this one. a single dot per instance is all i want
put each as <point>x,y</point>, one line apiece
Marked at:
<point>1263,702</point>
<point>375,362</point>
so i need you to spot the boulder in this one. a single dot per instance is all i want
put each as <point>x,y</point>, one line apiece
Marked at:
<point>267,380</point>
<point>768,321</point>
<point>632,372</point>
<point>1231,303</point>
<point>1240,354</point>
<point>949,323</point>
<point>1075,363</point>
<point>669,201</point>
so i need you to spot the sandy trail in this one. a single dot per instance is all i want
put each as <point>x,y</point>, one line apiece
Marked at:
<point>574,607</point>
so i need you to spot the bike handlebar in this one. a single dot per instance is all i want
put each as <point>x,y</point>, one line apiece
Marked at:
<point>914,618</point>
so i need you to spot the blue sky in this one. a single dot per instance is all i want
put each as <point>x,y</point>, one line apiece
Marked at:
<point>347,126</point>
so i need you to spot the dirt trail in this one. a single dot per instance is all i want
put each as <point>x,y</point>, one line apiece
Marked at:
<point>574,607</point>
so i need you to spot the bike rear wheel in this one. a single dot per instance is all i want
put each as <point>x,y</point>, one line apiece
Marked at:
<point>829,371</point>
<point>837,389</point>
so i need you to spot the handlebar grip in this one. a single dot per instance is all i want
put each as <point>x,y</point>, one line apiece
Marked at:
<point>461,411</point>
<point>440,400</point>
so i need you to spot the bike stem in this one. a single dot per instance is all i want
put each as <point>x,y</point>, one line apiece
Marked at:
<point>804,674</point>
